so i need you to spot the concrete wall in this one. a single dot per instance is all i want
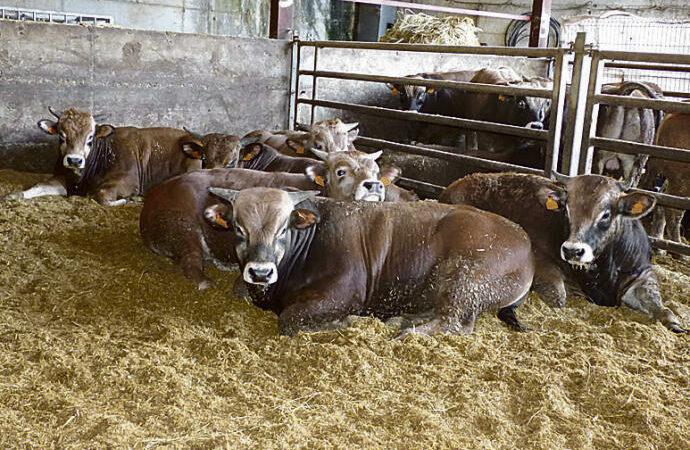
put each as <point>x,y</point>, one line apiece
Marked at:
<point>221,17</point>
<point>494,29</point>
<point>141,78</point>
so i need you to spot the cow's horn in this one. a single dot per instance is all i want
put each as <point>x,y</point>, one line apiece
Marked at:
<point>561,178</point>
<point>320,153</point>
<point>375,155</point>
<point>351,126</point>
<point>194,135</point>
<point>300,196</point>
<point>227,194</point>
<point>53,112</point>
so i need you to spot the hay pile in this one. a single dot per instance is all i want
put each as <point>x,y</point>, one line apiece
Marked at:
<point>425,29</point>
<point>103,345</point>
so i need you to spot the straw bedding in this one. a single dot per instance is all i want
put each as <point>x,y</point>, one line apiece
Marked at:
<point>103,345</point>
<point>420,28</point>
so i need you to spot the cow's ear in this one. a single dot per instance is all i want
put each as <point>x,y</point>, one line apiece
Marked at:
<point>352,135</point>
<point>303,218</point>
<point>219,216</point>
<point>104,131</point>
<point>296,144</point>
<point>395,90</point>
<point>48,126</point>
<point>193,148</point>
<point>389,175</point>
<point>635,205</point>
<point>251,151</point>
<point>317,173</point>
<point>552,198</point>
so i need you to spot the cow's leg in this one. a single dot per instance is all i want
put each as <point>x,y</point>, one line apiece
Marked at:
<point>507,315</point>
<point>115,192</point>
<point>317,309</point>
<point>53,186</point>
<point>674,220</point>
<point>643,296</point>
<point>190,264</point>
<point>548,283</point>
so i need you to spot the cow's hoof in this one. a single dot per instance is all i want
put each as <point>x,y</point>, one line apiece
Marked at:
<point>15,196</point>
<point>206,284</point>
<point>676,328</point>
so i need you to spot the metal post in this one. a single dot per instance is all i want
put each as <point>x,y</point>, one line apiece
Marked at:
<point>589,126</point>
<point>556,120</point>
<point>574,115</point>
<point>539,26</point>
<point>294,81</point>
<point>280,25</point>
<point>313,86</point>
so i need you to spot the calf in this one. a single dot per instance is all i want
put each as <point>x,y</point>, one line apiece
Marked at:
<point>215,150</point>
<point>430,100</point>
<point>671,177</point>
<point>627,124</point>
<point>316,263</point>
<point>111,164</point>
<point>585,232</point>
<point>357,168</point>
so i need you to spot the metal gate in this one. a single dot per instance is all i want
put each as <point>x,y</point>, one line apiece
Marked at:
<point>584,96</point>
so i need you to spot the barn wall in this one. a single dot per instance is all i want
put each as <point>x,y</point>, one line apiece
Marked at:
<point>141,78</point>
<point>494,29</point>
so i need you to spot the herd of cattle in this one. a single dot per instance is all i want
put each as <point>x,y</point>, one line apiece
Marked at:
<point>320,231</point>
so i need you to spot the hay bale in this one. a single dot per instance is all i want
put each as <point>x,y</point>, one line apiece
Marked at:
<point>425,29</point>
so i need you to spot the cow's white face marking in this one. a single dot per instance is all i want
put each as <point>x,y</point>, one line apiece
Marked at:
<point>353,175</point>
<point>76,132</point>
<point>577,253</point>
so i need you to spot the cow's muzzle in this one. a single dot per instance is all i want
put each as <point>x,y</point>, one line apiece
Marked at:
<point>536,125</point>
<point>72,161</point>
<point>261,273</point>
<point>577,253</point>
<point>371,190</point>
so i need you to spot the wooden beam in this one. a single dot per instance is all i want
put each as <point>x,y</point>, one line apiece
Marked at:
<point>281,24</point>
<point>539,28</point>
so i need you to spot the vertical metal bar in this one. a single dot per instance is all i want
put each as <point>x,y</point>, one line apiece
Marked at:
<point>294,81</point>
<point>589,126</point>
<point>539,26</point>
<point>313,84</point>
<point>556,120</point>
<point>573,115</point>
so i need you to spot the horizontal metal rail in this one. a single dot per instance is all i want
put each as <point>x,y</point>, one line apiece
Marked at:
<point>452,157</point>
<point>649,66</point>
<point>445,9</point>
<point>432,190</point>
<point>635,148</point>
<point>429,48</point>
<point>670,246</point>
<point>474,87</point>
<point>676,94</point>
<point>637,102</point>
<point>664,58</point>
<point>672,201</point>
<point>539,135</point>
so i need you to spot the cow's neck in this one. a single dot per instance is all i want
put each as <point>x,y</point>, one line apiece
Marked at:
<point>99,159</point>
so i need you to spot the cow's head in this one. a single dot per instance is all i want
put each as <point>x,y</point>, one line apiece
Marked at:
<point>595,207</point>
<point>329,136</point>
<point>262,219</point>
<point>352,175</point>
<point>521,111</point>
<point>214,150</point>
<point>412,97</point>
<point>76,131</point>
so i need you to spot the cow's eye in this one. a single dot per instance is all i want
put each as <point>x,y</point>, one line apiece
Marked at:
<point>605,221</point>
<point>239,230</point>
<point>89,140</point>
<point>340,172</point>
<point>282,232</point>
<point>319,146</point>
<point>522,104</point>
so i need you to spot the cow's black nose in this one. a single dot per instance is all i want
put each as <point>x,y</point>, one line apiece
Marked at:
<point>373,186</point>
<point>573,253</point>
<point>74,160</point>
<point>536,126</point>
<point>260,274</point>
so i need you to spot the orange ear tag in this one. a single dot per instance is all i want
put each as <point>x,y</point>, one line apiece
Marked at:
<point>551,204</point>
<point>395,91</point>
<point>386,181</point>
<point>319,180</point>
<point>196,155</point>
<point>300,150</point>
<point>430,91</point>
<point>220,221</point>
<point>637,207</point>
<point>247,157</point>
<point>502,97</point>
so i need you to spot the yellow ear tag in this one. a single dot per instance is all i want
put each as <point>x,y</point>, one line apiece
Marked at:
<point>220,221</point>
<point>247,157</point>
<point>300,150</point>
<point>637,207</point>
<point>551,204</point>
<point>319,180</point>
<point>196,155</point>
<point>430,91</point>
<point>502,97</point>
<point>395,91</point>
<point>386,181</point>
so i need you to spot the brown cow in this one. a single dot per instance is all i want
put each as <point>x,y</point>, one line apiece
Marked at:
<point>109,163</point>
<point>430,100</point>
<point>589,222</point>
<point>314,264</point>
<point>671,177</point>
<point>215,150</point>
<point>360,167</point>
